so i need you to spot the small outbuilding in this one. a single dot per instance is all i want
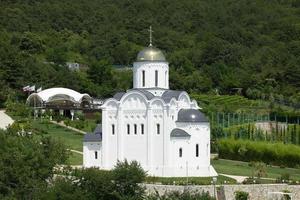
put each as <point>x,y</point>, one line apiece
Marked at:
<point>62,100</point>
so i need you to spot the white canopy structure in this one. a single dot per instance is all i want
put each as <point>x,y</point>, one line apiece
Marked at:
<point>62,99</point>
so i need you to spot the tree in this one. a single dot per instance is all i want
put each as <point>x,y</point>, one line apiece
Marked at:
<point>127,177</point>
<point>27,164</point>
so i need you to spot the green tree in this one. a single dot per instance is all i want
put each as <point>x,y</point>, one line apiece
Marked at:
<point>127,177</point>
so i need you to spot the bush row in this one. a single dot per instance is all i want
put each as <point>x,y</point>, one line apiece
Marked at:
<point>271,153</point>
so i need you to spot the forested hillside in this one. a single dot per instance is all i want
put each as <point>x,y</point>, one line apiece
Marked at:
<point>210,44</point>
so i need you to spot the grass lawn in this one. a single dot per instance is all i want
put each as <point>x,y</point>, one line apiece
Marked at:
<point>72,139</point>
<point>75,159</point>
<point>87,125</point>
<point>191,180</point>
<point>243,169</point>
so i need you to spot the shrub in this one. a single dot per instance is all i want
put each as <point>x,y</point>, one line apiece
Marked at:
<point>181,196</point>
<point>241,195</point>
<point>18,109</point>
<point>127,177</point>
<point>269,153</point>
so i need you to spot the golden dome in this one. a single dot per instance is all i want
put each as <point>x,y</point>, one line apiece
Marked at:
<point>150,54</point>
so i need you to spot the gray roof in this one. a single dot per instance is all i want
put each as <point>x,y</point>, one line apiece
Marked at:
<point>191,115</point>
<point>179,133</point>
<point>118,95</point>
<point>96,136</point>
<point>98,129</point>
<point>166,96</point>
<point>91,137</point>
<point>148,94</point>
<point>169,94</point>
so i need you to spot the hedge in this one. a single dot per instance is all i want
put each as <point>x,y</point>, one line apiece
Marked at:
<point>286,155</point>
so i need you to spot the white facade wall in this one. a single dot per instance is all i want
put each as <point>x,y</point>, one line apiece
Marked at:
<point>89,149</point>
<point>150,69</point>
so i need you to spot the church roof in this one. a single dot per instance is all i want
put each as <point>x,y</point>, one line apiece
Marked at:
<point>118,95</point>
<point>177,132</point>
<point>169,94</point>
<point>191,115</point>
<point>148,94</point>
<point>150,53</point>
<point>166,96</point>
<point>96,136</point>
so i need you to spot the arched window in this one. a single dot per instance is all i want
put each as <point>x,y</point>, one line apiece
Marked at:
<point>180,152</point>
<point>142,129</point>
<point>197,150</point>
<point>158,129</point>
<point>156,78</point>
<point>113,129</point>
<point>143,78</point>
<point>135,129</point>
<point>96,155</point>
<point>128,129</point>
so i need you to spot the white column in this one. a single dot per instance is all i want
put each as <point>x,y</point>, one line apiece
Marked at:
<point>51,112</point>
<point>36,113</point>
<point>72,114</point>
<point>61,112</point>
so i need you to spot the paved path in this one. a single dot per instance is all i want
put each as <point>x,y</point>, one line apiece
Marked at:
<point>5,120</point>
<point>240,179</point>
<point>75,151</point>
<point>69,127</point>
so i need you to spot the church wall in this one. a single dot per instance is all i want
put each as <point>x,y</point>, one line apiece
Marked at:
<point>89,149</point>
<point>162,69</point>
<point>200,134</point>
<point>112,138</point>
<point>189,163</point>
<point>134,142</point>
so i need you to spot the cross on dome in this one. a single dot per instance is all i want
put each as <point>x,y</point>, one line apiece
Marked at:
<point>150,35</point>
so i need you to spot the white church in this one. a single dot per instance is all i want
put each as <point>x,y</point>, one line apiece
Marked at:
<point>160,128</point>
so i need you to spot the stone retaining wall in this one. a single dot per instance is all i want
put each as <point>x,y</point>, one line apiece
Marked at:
<point>256,192</point>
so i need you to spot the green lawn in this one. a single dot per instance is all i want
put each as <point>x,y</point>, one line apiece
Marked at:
<point>88,125</point>
<point>243,169</point>
<point>75,159</point>
<point>72,139</point>
<point>190,180</point>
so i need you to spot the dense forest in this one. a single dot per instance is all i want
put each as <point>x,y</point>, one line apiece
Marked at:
<point>210,45</point>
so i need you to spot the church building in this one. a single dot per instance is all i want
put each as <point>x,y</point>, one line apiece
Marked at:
<point>160,128</point>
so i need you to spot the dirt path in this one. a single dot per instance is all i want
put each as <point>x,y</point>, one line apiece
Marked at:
<point>69,127</point>
<point>5,120</point>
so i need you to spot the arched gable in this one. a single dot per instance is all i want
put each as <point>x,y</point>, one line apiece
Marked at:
<point>134,100</point>
<point>194,104</point>
<point>184,100</point>
<point>157,103</point>
<point>110,104</point>
<point>173,103</point>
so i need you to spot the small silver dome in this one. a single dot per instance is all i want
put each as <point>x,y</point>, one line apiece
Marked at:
<point>191,115</point>
<point>150,54</point>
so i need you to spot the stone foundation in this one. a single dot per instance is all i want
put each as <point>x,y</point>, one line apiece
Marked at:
<point>226,192</point>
